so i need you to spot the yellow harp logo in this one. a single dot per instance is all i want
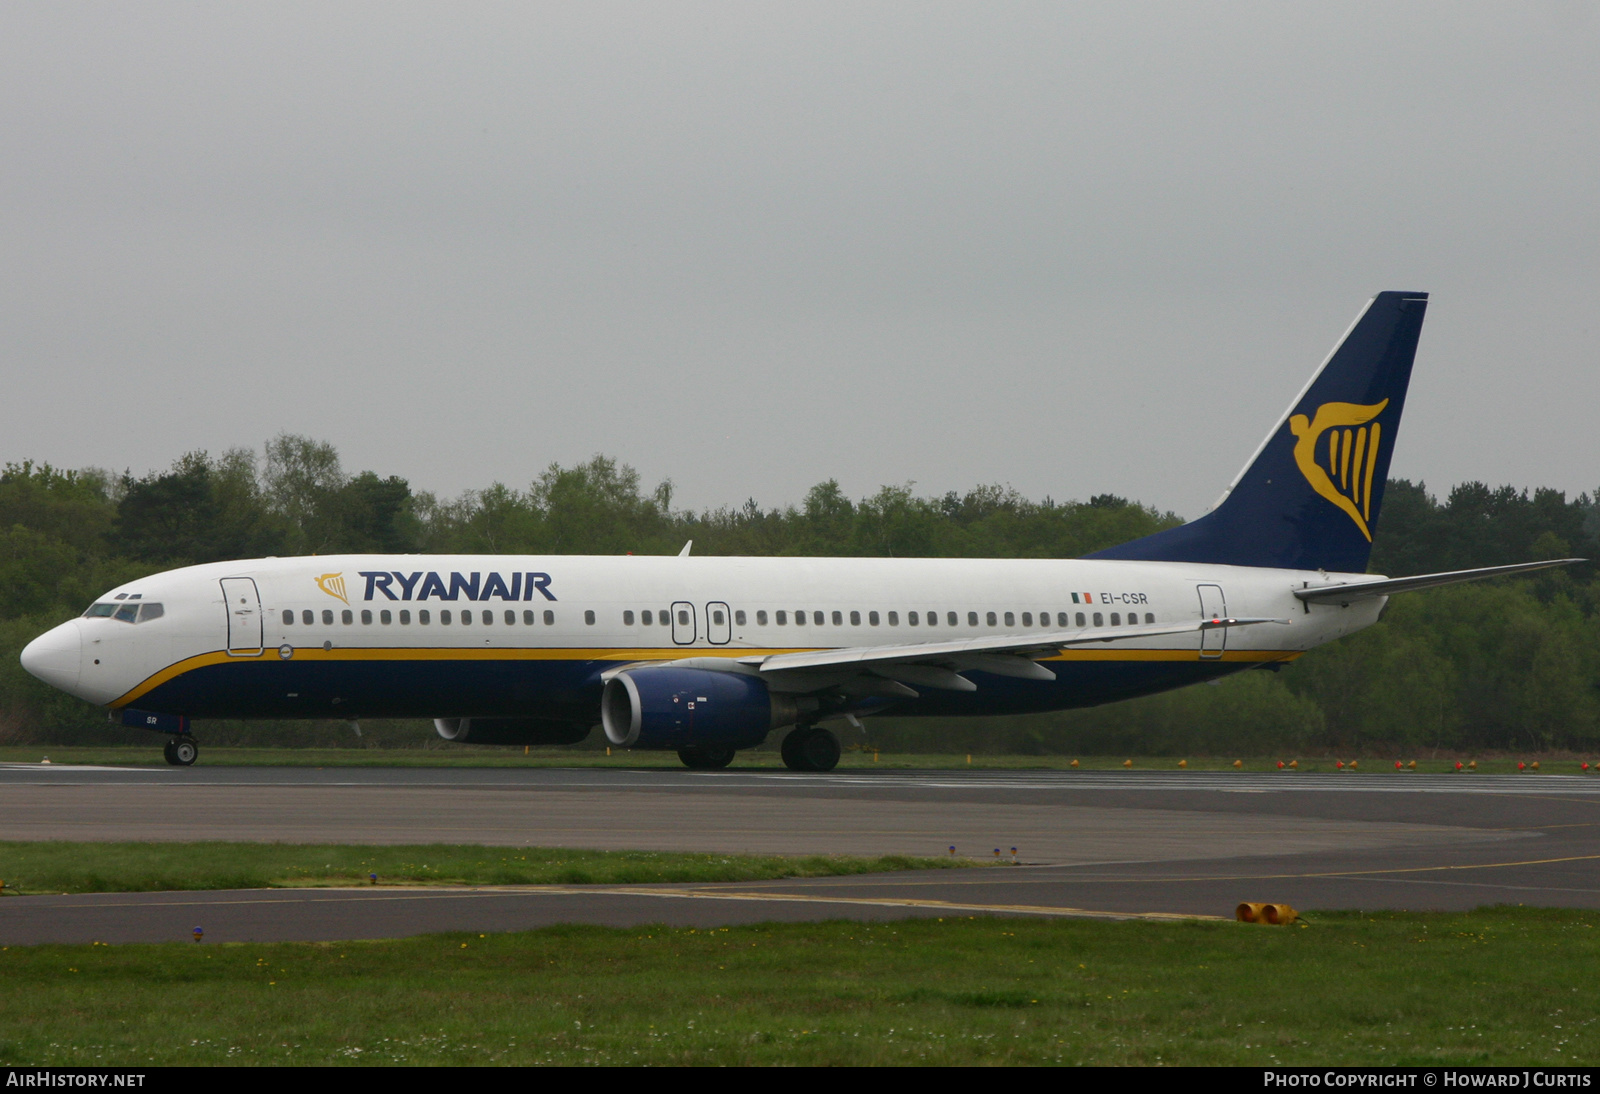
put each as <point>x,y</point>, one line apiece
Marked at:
<point>333,585</point>
<point>1351,454</point>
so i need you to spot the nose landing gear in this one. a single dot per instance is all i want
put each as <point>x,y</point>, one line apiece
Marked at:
<point>181,751</point>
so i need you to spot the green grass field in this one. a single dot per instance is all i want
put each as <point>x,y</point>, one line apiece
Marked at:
<point>60,867</point>
<point>481,756</point>
<point>1507,986</point>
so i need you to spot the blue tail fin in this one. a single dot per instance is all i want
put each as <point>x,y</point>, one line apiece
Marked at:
<point>1310,497</point>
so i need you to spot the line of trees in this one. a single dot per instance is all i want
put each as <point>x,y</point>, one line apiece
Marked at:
<point>1511,665</point>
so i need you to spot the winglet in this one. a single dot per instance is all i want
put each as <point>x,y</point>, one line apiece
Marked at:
<point>685,552</point>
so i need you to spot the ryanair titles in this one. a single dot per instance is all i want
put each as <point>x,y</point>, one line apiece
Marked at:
<point>428,585</point>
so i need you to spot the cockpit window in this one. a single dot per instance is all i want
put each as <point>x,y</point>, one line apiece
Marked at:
<point>129,611</point>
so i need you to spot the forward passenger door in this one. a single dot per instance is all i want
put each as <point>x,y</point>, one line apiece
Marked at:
<point>1213,605</point>
<point>244,616</point>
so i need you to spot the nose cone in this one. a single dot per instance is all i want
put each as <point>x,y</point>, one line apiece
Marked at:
<point>56,657</point>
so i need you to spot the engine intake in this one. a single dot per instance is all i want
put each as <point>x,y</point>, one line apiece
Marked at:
<point>510,731</point>
<point>669,708</point>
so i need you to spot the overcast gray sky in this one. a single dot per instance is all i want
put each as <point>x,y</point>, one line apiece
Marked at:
<point>1077,249</point>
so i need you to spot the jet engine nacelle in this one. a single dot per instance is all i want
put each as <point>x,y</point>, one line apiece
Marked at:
<point>690,708</point>
<point>510,731</point>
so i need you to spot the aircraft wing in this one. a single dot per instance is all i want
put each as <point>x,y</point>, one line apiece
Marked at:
<point>1346,592</point>
<point>939,664</point>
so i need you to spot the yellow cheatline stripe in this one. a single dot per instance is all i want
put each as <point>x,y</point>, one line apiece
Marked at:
<point>615,655</point>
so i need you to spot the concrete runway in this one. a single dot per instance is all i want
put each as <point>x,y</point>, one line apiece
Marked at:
<point>1091,843</point>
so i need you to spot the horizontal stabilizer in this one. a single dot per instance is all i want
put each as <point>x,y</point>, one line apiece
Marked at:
<point>1347,592</point>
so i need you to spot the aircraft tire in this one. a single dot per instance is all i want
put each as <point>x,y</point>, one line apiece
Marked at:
<point>713,758</point>
<point>810,748</point>
<point>182,753</point>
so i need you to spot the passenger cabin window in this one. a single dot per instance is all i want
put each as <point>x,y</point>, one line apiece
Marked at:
<point>855,619</point>
<point>950,618</point>
<point>511,617</point>
<point>347,617</point>
<point>800,619</point>
<point>872,618</point>
<point>1081,623</point>
<point>405,617</point>
<point>911,619</point>
<point>528,618</point>
<point>488,617</point>
<point>717,617</point>
<point>817,617</point>
<point>627,619</point>
<point>988,617</point>
<point>838,619</point>
<point>466,617</point>
<point>683,618</point>
<point>894,619</point>
<point>423,618</point>
<point>1011,619</point>
<point>647,617</point>
<point>385,618</point>
<point>761,619</point>
<point>933,619</point>
<point>444,617</point>
<point>783,617</point>
<point>307,617</point>
<point>1098,620</point>
<point>738,617</point>
<point>288,616</point>
<point>1116,619</point>
<point>1149,617</point>
<point>972,619</point>
<point>327,617</point>
<point>1061,619</point>
<point>588,617</point>
<point>1027,619</point>
<point>549,618</point>
<point>366,617</point>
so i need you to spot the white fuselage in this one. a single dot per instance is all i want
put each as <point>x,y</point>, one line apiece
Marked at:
<point>360,635</point>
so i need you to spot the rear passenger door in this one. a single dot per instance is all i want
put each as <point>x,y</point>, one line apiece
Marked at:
<point>1213,605</point>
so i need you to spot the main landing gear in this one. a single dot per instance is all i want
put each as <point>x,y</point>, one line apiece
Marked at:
<point>181,751</point>
<point>711,758</point>
<point>810,748</point>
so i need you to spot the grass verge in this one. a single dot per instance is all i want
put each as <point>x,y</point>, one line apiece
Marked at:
<point>63,867</point>
<point>1506,986</point>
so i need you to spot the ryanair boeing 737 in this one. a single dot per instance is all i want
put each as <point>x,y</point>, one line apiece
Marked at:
<point>705,656</point>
